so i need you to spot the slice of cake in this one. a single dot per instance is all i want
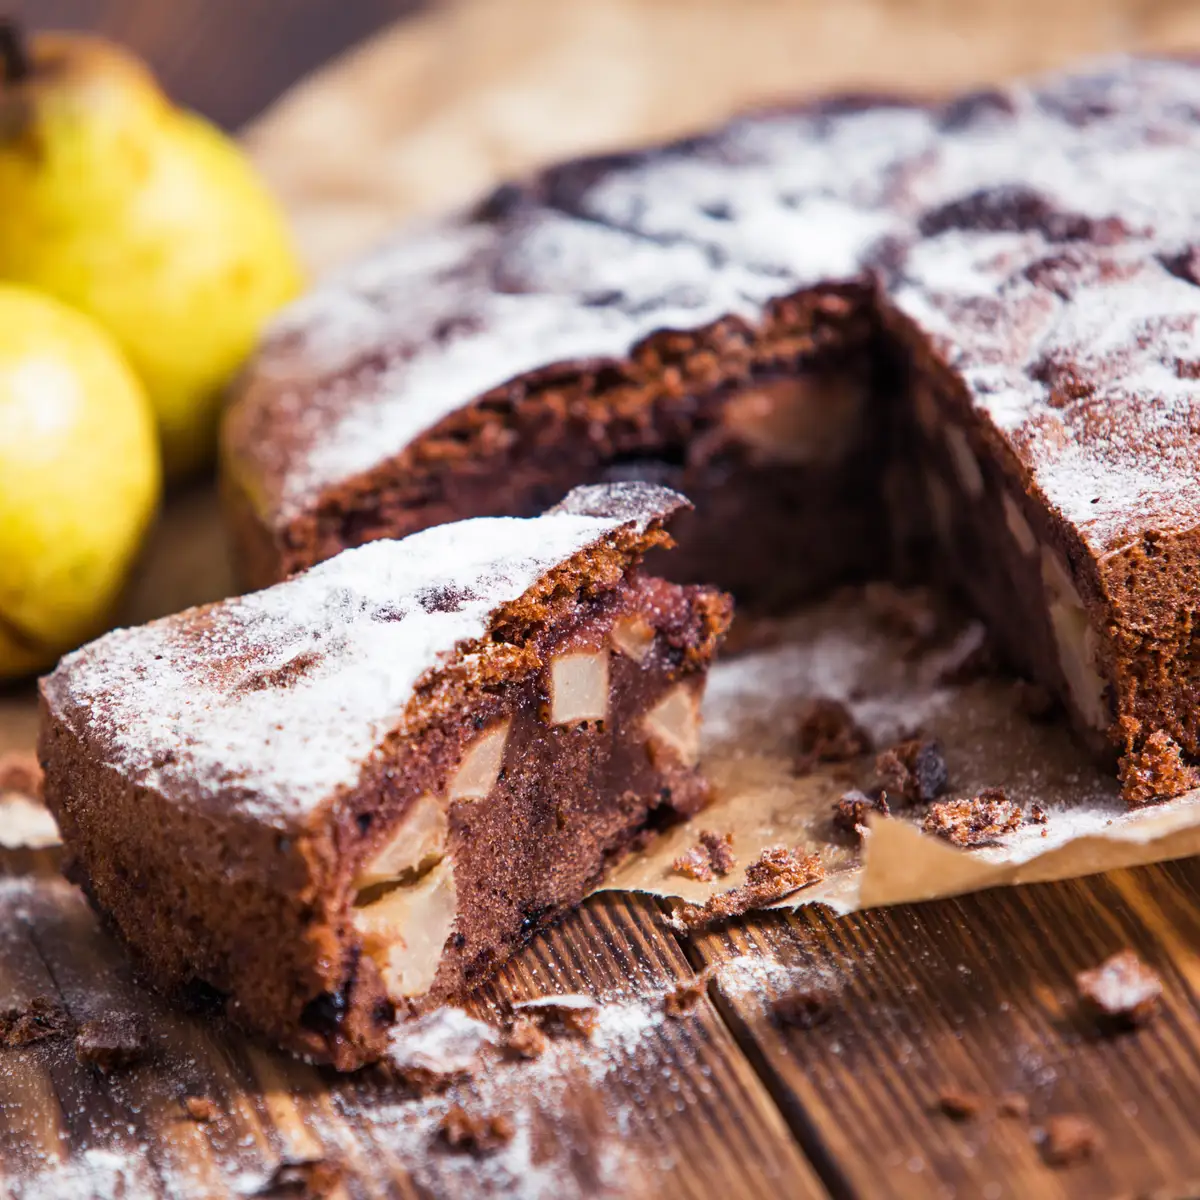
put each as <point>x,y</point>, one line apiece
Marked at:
<point>856,333</point>
<point>347,798</point>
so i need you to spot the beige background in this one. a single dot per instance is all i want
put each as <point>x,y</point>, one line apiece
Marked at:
<point>437,110</point>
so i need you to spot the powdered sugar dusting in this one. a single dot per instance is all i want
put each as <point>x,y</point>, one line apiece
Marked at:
<point>1023,227</point>
<point>276,698</point>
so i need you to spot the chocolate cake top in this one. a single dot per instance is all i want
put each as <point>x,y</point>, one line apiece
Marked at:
<point>1042,234</point>
<point>272,701</point>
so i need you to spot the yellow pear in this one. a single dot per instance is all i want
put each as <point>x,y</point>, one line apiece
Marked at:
<point>141,215</point>
<point>79,477</point>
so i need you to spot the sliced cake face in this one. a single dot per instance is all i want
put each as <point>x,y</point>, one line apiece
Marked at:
<point>351,796</point>
<point>874,323</point>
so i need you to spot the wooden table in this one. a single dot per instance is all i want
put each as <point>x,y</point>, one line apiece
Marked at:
<point>973,995</point>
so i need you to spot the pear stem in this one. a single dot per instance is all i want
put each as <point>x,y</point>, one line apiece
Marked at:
<point>14,55</point>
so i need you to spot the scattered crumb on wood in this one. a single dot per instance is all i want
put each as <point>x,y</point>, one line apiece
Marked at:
<point>561,1016</point>
<point>1069,1138</point>
<point>1122,989</point>
<point>460,1130</point>
<point>961,1106</point>
<point>200,1108</point>
<point>850,811</point>
<point>688,994</point>
<point>976,821</point>
<point>712,857</point>
<point>40,1018</point>
<point>802,1008</point>
<point>304,1179</point>
<point>1155,772</point>
<point>1034,700</point>
<point>111,1043</point>
<point>913,771</point>
<point>826,732</point>
<point>1013,1105</point>
<point>523,1039</point>
<point>776,873</point>
<point>22,773</point>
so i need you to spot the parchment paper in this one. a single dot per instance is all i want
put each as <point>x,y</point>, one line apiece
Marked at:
<point>439,109</point>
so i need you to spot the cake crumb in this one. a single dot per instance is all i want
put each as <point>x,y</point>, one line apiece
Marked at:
<point>959,1105</point>
<point>713,856</point>
<point>827,732</point>
<point>524,1039</point>
<point>850,811</point>
<point>1036,702</point>
<point>111,1043</point>
<point>200,1108</point>
<point>688,994</point>
<point>41,1018</point>
<point>475,1135</point>
<point>1069,1138</point>
<point>1013,1105</point>
<point>20,772</point>
<point>1156,772</point>
<point>913,770</point>
<point>977,821</point>
<point>777,872</point>
<point>562,1016</point>
<point>304,1179</point>
<point>1122,989</point>
<point>802,1008</point>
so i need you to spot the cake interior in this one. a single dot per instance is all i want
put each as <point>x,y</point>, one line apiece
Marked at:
<point>776,436</point>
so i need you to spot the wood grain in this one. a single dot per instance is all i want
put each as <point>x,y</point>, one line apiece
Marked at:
<point>976,995</point>
<point>651,1106</point>
<point>227,60</point>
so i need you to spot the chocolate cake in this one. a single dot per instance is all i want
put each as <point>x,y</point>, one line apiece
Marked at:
<point>862,335</point>
<point>340,801</point>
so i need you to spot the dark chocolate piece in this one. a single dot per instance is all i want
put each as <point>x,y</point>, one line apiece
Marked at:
<point>913,771</point>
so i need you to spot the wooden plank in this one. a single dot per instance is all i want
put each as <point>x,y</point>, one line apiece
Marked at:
<point>227,60</point>
<point>976,995</point>
<point>651,1106</point>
